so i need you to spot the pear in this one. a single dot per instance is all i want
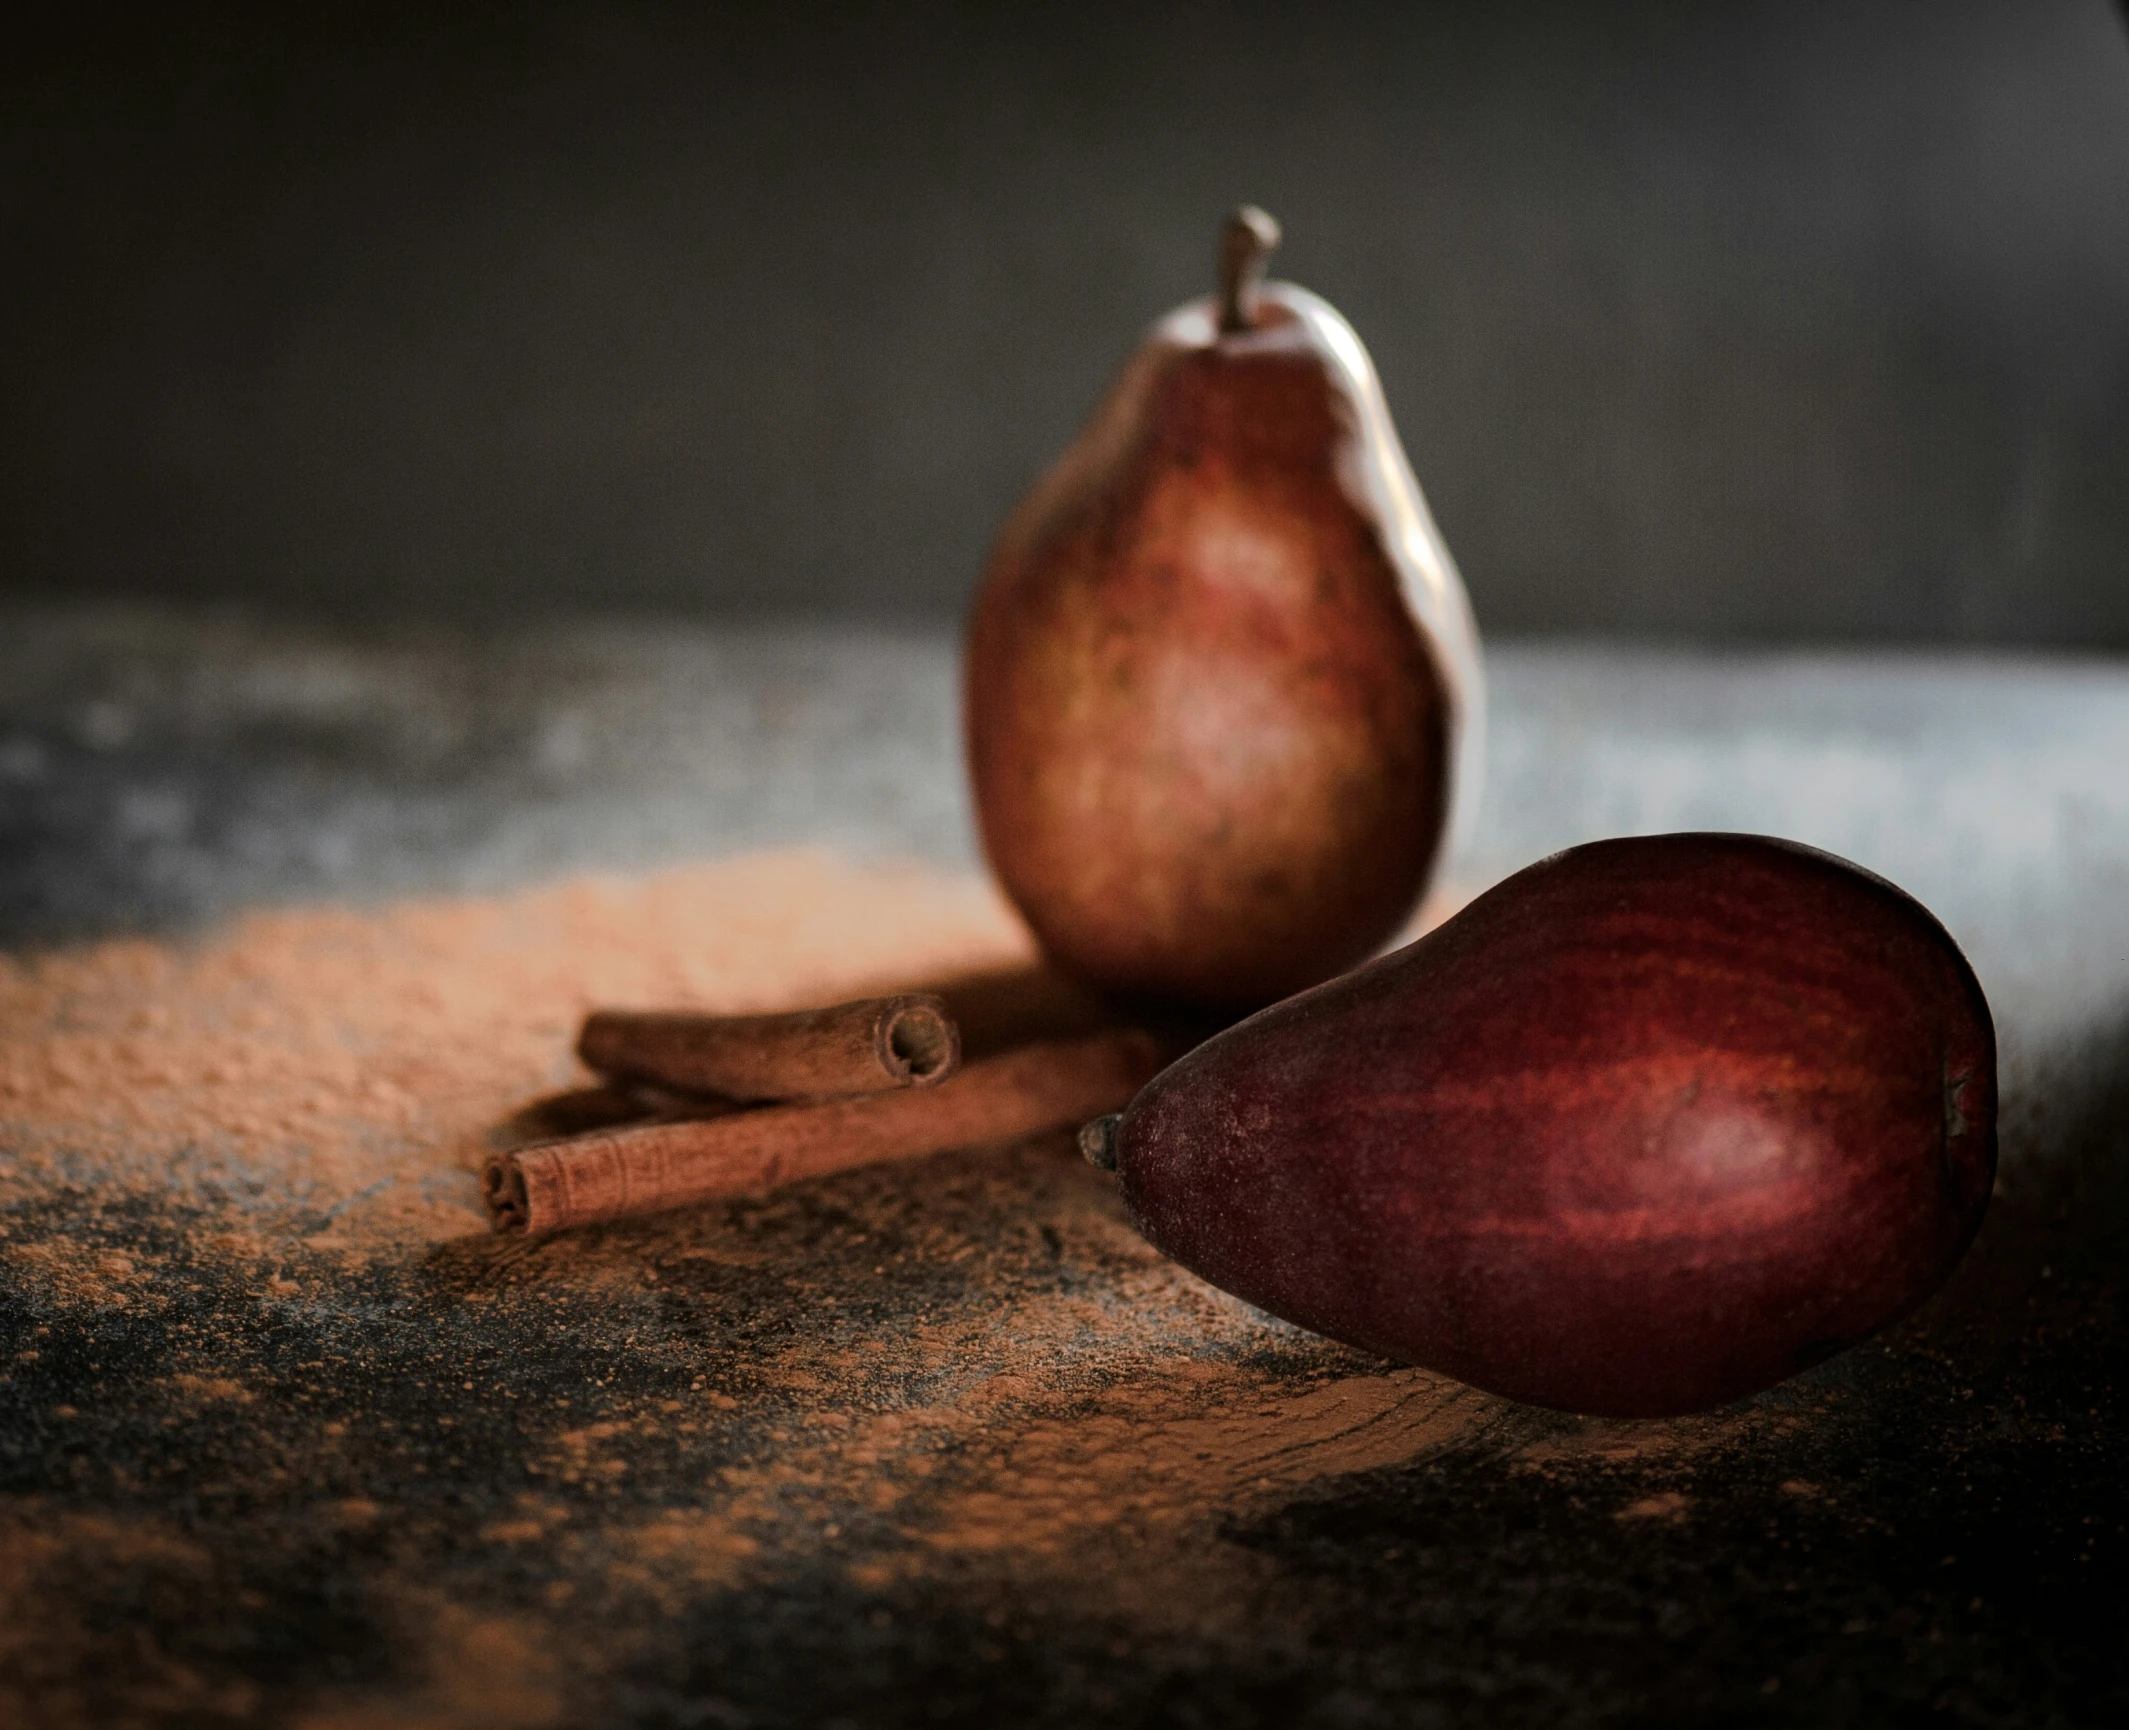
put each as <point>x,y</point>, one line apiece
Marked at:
<point>1647,1127</point>
<point>1222,688</point>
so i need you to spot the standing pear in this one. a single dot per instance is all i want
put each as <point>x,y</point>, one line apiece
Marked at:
<point>1223,696</point>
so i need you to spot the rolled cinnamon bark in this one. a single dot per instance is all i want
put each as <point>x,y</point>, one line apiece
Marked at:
<point>641,1170</point>
<point>863,1047</point>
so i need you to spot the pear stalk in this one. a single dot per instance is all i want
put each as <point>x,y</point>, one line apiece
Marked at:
<point>1246,245</point>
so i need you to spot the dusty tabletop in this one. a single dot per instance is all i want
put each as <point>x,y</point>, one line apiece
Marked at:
<point>290,1437</point>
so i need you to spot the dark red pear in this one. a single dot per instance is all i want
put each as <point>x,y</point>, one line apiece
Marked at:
<point>1648,1127</point>
<point>1222,682</point>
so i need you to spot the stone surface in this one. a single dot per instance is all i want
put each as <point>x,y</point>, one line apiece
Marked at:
<point>941,1443</point>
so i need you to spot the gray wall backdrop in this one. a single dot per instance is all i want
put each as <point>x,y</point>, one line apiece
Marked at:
<point>1771,321</point>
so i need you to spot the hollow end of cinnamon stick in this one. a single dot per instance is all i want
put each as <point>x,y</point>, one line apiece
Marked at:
<point>503,1192</point>
<point>919,1043</point>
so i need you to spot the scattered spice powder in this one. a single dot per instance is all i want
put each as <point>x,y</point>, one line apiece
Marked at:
<point>968,1375</point>
<point>345,1064</point>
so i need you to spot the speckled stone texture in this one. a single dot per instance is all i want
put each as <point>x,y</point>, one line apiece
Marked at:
<point>946,1443</point>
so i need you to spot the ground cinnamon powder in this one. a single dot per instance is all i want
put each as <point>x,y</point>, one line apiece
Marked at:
<point>344,1064</point>
<point>966,1375</point>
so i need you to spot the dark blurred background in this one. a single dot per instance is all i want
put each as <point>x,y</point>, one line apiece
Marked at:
<point>1761,321</point>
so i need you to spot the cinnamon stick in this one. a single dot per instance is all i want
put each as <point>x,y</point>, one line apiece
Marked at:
<point>863,1047</point>
<point>643,1169</point>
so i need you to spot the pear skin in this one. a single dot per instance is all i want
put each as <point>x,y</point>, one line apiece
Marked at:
<point>1647,1127</point>
<point>1222,684</point>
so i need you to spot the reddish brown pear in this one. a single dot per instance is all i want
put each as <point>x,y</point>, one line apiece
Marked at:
<point>1647,1127</point>
<point>1222,684</point>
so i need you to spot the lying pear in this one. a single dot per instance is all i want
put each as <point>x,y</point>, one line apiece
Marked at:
<point>1222,684</point>
<point>1649,1126</point>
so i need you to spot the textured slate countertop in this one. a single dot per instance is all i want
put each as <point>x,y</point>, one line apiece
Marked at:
<point>1045,1478</point>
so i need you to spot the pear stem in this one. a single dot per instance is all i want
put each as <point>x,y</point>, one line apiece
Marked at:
<point>1097,1140</point>
<point>1246,243</point>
